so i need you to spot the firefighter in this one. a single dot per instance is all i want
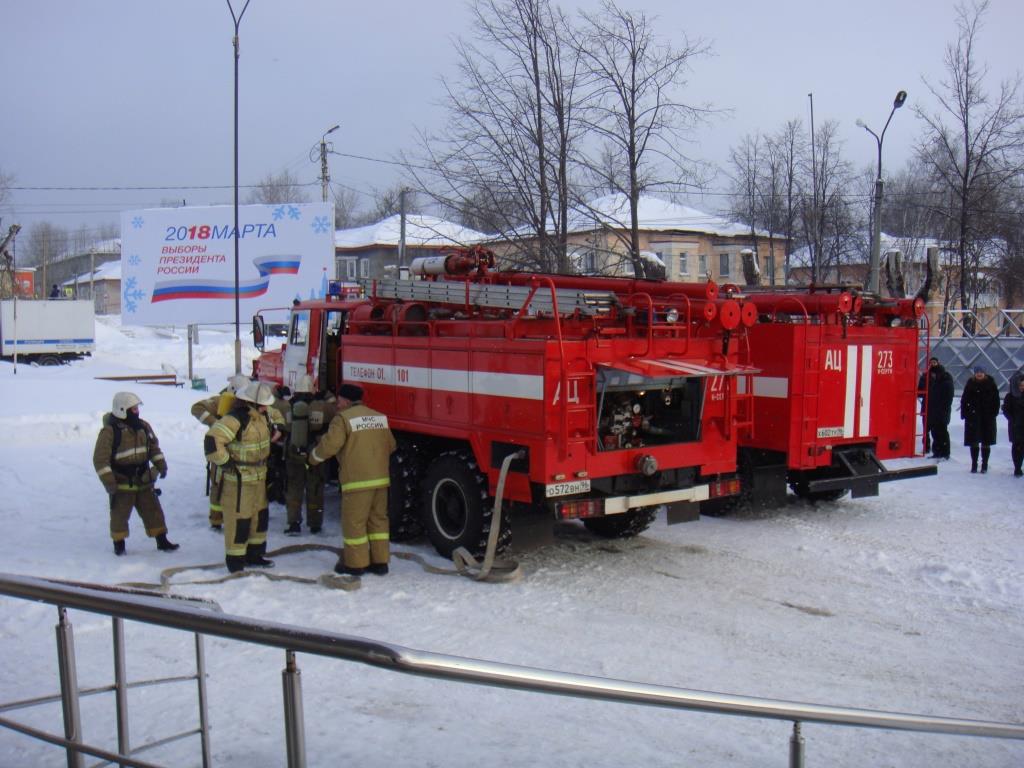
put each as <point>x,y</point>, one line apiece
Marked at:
<point>125,448</point>
<point>239,444</point>
<point>307,417</point>
<point>940,387</point>
<point>276,472</point>
<point>979,407</point>
<point>359,436</point>
<point>207,411</point>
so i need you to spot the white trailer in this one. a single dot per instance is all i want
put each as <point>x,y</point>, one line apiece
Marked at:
<point>47,332</point>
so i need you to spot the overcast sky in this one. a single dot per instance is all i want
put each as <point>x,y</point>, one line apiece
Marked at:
<point>123,93</point>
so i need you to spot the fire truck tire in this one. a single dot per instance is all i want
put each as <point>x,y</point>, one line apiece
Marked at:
<point>622,526</point>
<point>456,507</point>
<point>403,496</point>
<point>48,360</point>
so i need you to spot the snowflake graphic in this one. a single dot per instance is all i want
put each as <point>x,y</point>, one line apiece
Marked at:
<point>291,211</point>
<point>137,222</point>
<point>134,260</point>
<point>320,225</point>
<point>131,295</point>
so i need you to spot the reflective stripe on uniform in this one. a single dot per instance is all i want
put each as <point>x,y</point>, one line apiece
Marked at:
<point>157,457</point>
<point>379,537</point>
<point>359,485</point>
<point>356,542</point>
<point>104,471</point>
<point>129,453</point>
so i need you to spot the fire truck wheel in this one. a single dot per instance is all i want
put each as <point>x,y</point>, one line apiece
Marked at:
<point>456,507</point>
<point>48,360</point>
<point>403,496</point>
<point>800,489</point>
<point>622,526</point>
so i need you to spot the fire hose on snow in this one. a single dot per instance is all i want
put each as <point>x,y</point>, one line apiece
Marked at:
<point>490,568</point>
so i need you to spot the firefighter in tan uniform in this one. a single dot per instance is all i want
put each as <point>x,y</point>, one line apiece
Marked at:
<point>206,412</point>
<point>361,439</point>
<point>239,444</point>
<point>125,448</point>
<point>307,417</point>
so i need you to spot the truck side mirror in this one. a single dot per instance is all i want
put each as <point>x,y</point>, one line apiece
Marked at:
<point>259,331</point>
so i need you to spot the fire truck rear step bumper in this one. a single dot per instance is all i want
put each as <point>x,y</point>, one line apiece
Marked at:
<point>864,475</point>
<point>619,504</point>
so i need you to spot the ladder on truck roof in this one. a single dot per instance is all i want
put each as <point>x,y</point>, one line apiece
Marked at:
<point>459,293</point>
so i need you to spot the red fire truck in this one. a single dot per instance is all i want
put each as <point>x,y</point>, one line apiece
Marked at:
<point>614,398</point>
<point>835,394</point>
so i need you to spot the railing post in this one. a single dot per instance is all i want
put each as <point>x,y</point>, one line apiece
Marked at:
<point>69,686</point>
<point>796,747</point>
<point>204,723</point>
<point>121,688</point>
<point>294,727</point>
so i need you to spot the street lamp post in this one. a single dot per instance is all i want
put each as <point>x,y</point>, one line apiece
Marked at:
<point>237,19</point>
<point>876,225</point>
<point>325,176</point>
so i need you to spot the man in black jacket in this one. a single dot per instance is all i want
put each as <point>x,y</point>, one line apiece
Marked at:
<point>1013,410</point>
<point>939,384</point>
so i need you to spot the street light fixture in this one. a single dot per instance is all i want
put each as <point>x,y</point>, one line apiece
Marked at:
<point>876,228</point>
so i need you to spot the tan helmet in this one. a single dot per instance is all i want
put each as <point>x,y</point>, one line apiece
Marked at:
<point>258,392</point>
<point>304,385</point>
<point>238,382</point>
<point>122,402</point>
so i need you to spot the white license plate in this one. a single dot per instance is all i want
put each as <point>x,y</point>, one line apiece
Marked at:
<point>566,489</point>
<point>830,431</point>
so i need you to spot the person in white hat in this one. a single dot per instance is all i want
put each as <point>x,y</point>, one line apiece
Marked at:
<point>239,444</point>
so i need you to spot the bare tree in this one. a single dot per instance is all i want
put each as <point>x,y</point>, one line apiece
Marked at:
<point>6,182</point>
<point>973,145</point>
<point>828,221</point>
<point>632,80</point>
<point>46,242</point>
<point>505,153</point>
<point>346,207</point>
<point>283,187</point>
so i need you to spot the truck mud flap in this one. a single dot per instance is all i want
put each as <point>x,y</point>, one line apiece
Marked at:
<point>859,470</point>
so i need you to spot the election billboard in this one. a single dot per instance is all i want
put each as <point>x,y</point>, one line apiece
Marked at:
<point>178,264</point>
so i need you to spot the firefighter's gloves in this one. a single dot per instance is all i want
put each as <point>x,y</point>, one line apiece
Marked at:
<point>163,473</point>
<point>110,488</point>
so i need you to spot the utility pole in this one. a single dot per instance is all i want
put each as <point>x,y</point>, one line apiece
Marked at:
<point>325,174</point>
<point>814,207</point>
<point>401,234</point>
<point>237,19</point>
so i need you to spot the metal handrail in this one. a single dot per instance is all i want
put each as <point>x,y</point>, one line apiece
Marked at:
<point>157,611</point>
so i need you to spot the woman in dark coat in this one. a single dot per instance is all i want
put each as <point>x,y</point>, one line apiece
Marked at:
<point>1013,410</point>
<point>979,407</point>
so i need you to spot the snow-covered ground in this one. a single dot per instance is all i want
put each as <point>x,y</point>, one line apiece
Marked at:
<point>912,601</point>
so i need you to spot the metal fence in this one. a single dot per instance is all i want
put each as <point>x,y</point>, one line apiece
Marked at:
<point>178,614</point>
<point>962,339</point>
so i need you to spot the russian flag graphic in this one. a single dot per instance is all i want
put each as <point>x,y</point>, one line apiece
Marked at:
<point>267,266</point>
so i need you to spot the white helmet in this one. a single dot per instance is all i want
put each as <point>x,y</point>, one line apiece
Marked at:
<point>258,392</point>
<point>238,382</point>
<point>122,402</point>
<point>304,384</point>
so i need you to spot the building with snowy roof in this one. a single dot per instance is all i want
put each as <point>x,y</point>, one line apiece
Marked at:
<point>691,244</point>
<point>102,285</point>
<point>373,250</point>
